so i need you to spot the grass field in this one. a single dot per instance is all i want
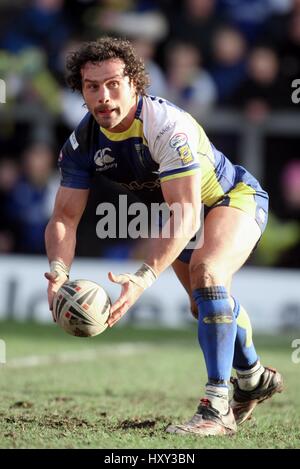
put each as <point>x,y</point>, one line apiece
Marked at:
<point>122,388</point>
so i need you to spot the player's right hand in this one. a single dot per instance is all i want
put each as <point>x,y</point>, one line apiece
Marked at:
<point>55,281</point>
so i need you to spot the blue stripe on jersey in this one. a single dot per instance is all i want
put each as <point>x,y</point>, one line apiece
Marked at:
<point>224,170</point>
<point>164,101</point>
<point>139,108</point>
<point>179,170</point>
<point>242,175</point>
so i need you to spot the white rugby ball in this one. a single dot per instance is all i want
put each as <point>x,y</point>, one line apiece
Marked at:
<point>81,308</point>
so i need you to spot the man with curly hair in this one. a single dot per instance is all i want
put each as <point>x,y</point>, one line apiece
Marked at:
<point>146,142</point>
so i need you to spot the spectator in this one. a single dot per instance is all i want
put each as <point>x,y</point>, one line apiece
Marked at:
<point>196,23</point>
<point>29,80</point>
<point>146,49</point>
<point>264,89</point>
<point>43,25</point>
<point>8,178</point>
<point>30,201</point>
<point>229,67</point>
<point>283,32</point>
<point>250,16</point>
<point>126,18</point>
<point>290,49</point>
<point>189,85</point>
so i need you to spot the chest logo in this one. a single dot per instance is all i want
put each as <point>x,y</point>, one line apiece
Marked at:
<point>104,160</point>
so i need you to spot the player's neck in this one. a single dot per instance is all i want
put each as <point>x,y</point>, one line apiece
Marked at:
<point>125,124</point>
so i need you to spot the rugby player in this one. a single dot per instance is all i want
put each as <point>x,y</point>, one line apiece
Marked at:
<point>133,139</point>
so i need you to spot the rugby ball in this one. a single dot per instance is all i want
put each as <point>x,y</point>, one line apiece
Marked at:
<point>81,308</point>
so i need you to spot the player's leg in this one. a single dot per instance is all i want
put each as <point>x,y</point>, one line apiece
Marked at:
<point>182,272</point>
<point>245,357</point>
<point>229,237</point>
<point>254,383</point>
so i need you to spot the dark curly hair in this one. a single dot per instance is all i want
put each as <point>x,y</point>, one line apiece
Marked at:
<point>107,48</point>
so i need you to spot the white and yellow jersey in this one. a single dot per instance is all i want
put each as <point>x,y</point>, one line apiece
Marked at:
<point>163,143</point>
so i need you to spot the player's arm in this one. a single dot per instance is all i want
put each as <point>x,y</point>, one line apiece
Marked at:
<point>60,235</point>
<point>183,195</point>
<point>176,152</point>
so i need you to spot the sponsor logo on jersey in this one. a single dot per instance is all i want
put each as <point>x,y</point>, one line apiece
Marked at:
<point>180,143</point>
<point>178,140</point>
<point>166,129</point>
<point>104,160</point>
<point>185,154</point>
<point>135,185</point>
<point>73,141</point>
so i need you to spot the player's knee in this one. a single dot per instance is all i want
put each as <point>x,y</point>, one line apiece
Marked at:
<point>205,274</point>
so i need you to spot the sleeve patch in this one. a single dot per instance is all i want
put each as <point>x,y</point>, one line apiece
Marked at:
<point>185,154</point>
<point>178,140</point>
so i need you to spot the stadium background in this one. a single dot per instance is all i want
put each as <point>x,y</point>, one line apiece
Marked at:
<point>230,63</point>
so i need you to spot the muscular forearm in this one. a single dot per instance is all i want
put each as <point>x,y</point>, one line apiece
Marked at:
<point>164,250</point>
<point>60,238</point>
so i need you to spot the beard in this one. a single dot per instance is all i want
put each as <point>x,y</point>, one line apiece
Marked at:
<point>107,117</point>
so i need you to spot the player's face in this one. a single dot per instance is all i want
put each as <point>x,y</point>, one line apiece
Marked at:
<point>109,95</point>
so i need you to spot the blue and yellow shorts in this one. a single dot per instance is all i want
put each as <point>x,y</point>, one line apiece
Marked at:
<point>246,195</point>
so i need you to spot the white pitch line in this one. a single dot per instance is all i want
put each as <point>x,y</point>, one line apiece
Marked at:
<point>125,349</point>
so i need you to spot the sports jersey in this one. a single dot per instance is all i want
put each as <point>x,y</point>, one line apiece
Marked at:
<point>163,143</point>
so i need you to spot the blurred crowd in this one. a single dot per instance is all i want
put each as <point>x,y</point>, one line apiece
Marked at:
<point>204,55</point>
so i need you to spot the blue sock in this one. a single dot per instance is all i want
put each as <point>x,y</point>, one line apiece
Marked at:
<point>245,355</point>
<point>216,331</point>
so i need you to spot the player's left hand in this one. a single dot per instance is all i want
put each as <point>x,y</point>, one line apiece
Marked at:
<point>129,295</point>
<point>133,285</point>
